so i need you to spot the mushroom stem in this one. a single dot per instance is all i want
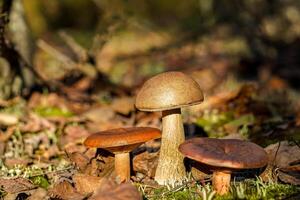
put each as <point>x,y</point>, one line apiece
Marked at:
<point>221,182</point>
<point>170,169</point>
<point>122,166</point>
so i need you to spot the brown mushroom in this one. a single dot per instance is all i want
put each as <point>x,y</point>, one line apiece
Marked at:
<point>120,142</point>
<point>169,92</point>
<point>223,156</point>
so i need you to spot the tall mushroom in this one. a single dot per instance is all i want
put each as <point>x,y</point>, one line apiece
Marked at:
<point>169,92</point>
<point>120,142</point>
<point>224,156</point>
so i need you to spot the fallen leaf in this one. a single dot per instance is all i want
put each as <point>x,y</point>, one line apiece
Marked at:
<point>65,191</point>
<point>102,166</point>
<point>12,162</point>
<point>86,184</point>
<point>10,196</point>
<point>99,114</point>
<point>146,163</point>
<point>286,153</point>
<point>80,160</point>
<point>4,136</point>
<point>15,185</point>
<point>74,134</point>
<point>206,77</point>
<point>109,190</point>
<point>123,105</point>
<point>35,123</point>
<point>47,100</point>
<point>8,119</point>
<point>290,174</point>
<point>38,194</point>
<point>148,120</point>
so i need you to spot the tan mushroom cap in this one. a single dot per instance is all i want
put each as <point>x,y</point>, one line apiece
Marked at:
<point>122,139</point>
<point>168,91</point>
<point>227,153</point>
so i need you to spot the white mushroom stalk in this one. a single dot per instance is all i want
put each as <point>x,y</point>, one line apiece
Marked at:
<point>170,169</point>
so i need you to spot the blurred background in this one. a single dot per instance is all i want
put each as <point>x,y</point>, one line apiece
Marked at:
<point>251,33</point>
<point>128,40</point>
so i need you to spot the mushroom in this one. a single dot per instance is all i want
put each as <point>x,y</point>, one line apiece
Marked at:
<point>223,156</point>
<point>120,142</point>
<point>169,92</point>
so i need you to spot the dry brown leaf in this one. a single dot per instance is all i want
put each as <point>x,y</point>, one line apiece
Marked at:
<point>10,196</point>
<point>4,136</point>
<point>38,194</point>
<point>86,184</point>
<point>123,105</point>
<point>73,134</point>
<point>65,191</point>
<point>148,119</point>
<point>35,123</point>
<point>206,78</point>
<point>15,185</point>
<point>83,84</point>
<point>103,166</point>
<point>12,162</point>
<point>214,101</point>
<point>285,154</point>
<point>109,190</point>
<point>146,163</point>
<point>8,119</point>
<point>72,147</point>
<point>291,177</point>
<point>290,174</point>
<point>99,114</point>
<point>47,100</point>
<point>80,160</point>
<point>101,126</point>
<point>50,152</point>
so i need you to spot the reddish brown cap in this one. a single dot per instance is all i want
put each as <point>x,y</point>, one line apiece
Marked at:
<point>228,153</point>
<point>122,139</point>
<point>168,91</point>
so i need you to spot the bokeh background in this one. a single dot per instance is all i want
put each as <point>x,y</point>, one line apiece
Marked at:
<point>256,39</point>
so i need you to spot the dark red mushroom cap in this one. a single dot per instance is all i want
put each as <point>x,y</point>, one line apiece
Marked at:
<point>122,139</point>
<point>227,153</point>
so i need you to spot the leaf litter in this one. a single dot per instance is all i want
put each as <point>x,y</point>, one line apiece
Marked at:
<point>42,155</point>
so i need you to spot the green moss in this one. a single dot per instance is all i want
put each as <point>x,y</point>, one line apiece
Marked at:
<point>40,181</point>
<point>52,112</point>
<point>248,189</point>
<point>213,121</point>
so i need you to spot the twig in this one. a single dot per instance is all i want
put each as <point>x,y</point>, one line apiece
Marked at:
<point>85,68</point>
<point>81,53</point>
<point>297,144</point>
<point>55,53</point>
<point>175,189</point>
<point>273,162</point>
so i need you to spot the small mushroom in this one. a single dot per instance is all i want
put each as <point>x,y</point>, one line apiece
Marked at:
<point>223,156</point>
<point>120,142</point>
<point>169,92</point>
